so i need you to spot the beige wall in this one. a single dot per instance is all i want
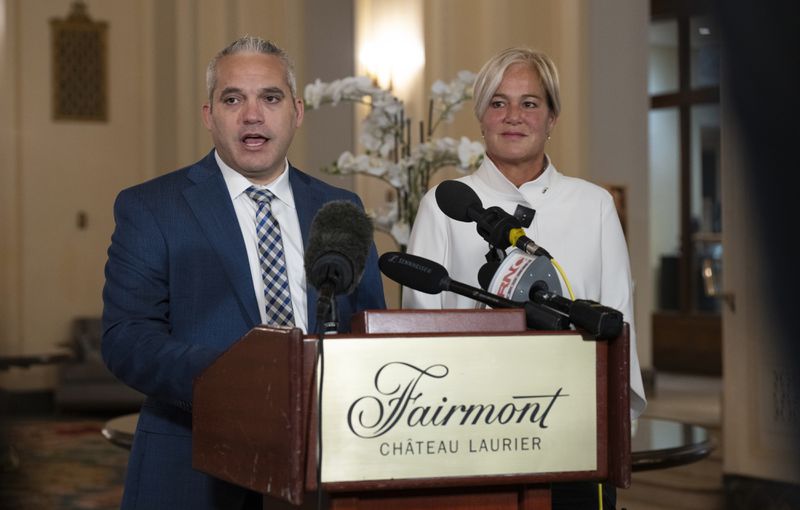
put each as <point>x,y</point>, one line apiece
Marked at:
<point>158,49</point>
<point>10,281</point>
<point>58,170</point>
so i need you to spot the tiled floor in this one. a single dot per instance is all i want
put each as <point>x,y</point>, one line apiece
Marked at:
<point>696,486</point>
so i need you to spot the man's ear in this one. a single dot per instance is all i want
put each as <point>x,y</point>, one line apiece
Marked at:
<point>207,116</point>
<point>299,108</point>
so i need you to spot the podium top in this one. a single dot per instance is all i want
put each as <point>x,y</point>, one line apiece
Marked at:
<point>439,321</point>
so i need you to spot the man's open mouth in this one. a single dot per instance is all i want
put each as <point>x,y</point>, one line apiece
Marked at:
<point>254,140</point>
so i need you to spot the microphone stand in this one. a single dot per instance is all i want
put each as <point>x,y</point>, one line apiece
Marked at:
<point>327,318</point>
<point>327,324</point>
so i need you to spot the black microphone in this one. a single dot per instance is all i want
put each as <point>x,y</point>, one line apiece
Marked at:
<point>427,276</point>
<point>338,246</point>
<point>600,321</point>
<point>496,226</point>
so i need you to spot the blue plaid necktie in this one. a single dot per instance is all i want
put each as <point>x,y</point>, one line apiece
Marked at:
<point>273,263</point>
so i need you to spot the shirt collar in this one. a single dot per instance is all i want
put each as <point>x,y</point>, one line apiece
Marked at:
<point>543,182</point>
<point>494,178</point>
<point>237,183</point>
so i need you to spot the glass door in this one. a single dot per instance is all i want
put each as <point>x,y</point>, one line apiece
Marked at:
<point>685,206</point>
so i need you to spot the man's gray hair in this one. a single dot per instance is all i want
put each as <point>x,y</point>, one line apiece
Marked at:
<point>250,44</point>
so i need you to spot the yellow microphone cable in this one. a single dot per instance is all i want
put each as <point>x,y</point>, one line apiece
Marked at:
<point>563,277</point>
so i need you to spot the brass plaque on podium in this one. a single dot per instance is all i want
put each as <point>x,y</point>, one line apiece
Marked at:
<point>422,407</point>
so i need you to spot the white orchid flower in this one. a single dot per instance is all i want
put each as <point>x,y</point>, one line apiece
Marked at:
<point>389,154</point>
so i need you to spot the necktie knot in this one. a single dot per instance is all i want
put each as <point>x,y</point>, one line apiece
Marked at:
<point>260,195</point>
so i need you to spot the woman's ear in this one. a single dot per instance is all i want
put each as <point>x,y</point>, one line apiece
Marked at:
<point>551,123</point>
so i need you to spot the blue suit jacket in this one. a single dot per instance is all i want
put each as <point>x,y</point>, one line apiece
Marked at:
<point>178,293</point>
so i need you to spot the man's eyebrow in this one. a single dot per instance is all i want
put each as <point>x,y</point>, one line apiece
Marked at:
<point>266,90</point>
<point>230,90</point>
<point>276,91</point>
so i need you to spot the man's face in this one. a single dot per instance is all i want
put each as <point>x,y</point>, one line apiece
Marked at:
<point>252,116</point>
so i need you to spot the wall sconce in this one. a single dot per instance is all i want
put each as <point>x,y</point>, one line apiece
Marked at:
<point>392,59</point>
<point>390,43</point>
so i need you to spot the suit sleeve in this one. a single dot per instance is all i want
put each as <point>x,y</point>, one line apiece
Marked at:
<point>370,290</point>
<point>369,293</point>
<point>137,344</point>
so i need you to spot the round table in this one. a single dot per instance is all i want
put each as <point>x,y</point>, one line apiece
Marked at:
<point>120,430</point>
<point>27,360</point>
<point>657,443</point>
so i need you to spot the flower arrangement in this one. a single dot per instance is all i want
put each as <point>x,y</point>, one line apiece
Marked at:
<point>389,153</point>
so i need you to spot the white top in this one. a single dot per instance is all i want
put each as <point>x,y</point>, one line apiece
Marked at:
<point>576,221</point>
<point>285,213</point>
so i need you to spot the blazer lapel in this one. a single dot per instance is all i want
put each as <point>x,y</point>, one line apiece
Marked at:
<point>307,200</point>
<point>211,204</point>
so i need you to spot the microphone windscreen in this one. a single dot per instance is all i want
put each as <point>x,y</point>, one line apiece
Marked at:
<point>455,199</point>
<point>340,235</point>
<point>414,272</point>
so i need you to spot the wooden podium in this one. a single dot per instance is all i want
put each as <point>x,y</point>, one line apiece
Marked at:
<point>255,419</point>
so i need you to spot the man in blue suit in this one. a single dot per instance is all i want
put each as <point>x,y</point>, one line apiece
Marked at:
<point>184,273</point>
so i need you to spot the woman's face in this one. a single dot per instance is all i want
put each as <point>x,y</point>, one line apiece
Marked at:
<point>517,121</point>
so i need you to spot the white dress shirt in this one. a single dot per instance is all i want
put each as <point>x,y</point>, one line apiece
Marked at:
<point>284,211</point>
<point>576,221</point>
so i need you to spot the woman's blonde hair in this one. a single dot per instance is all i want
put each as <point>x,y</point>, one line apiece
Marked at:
<point>491,74</point>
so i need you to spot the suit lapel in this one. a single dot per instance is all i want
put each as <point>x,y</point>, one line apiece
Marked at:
<point>307,200</point>
<point>211,204</point>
